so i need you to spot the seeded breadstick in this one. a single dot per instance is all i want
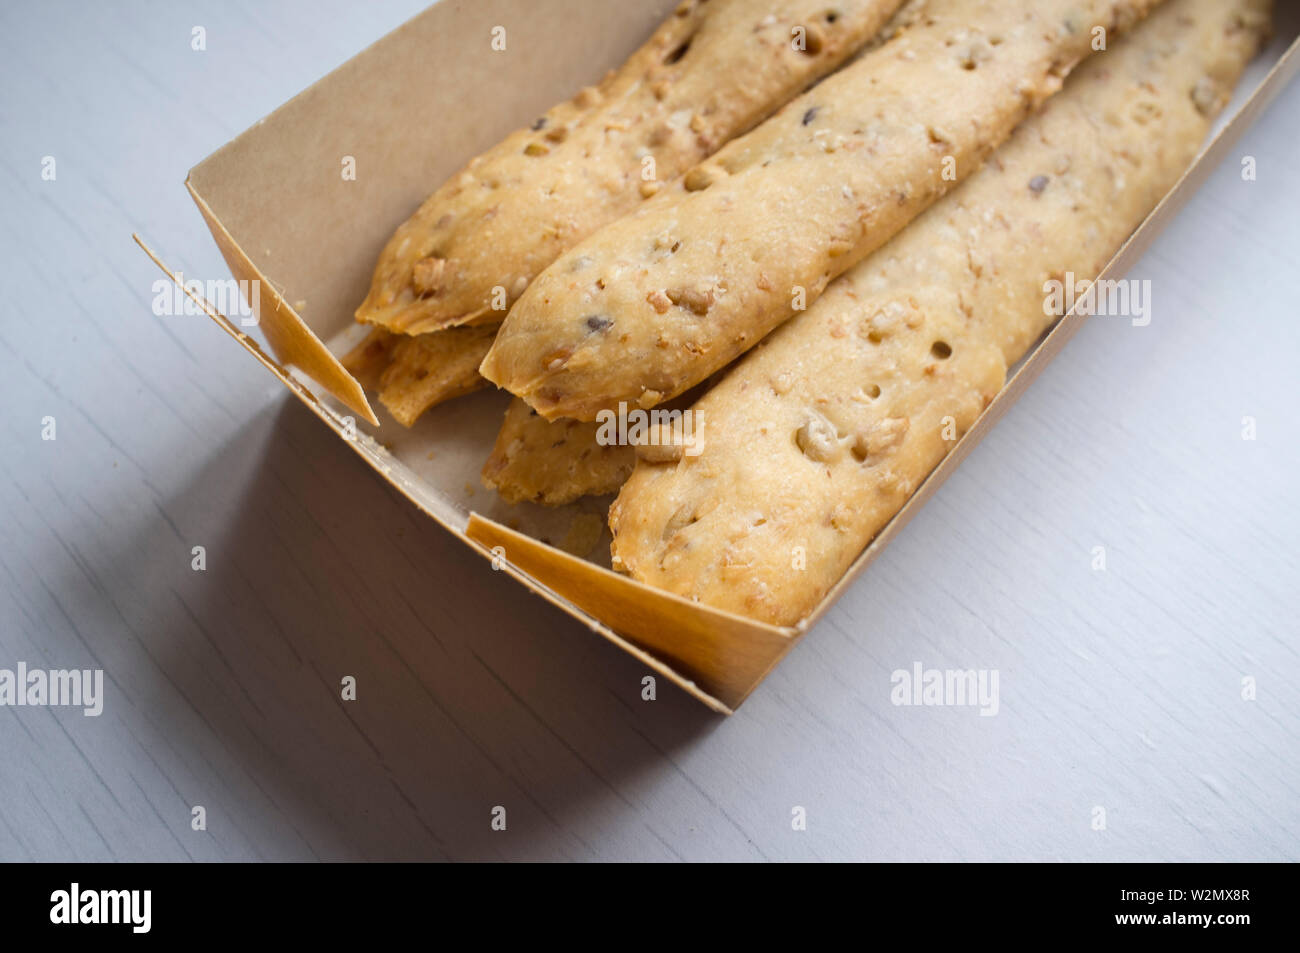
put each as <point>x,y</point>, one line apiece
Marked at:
<point>369,359</point>
<point>553,461</point>
<point>709,73</point>
<point>413,290</point>
<point>415,373</point>
<point>817,438</point>
<point>655,302</point>
<point>603,479</point>
<point>427,369</point>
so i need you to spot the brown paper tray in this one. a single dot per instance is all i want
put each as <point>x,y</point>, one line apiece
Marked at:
<point>282,214</point>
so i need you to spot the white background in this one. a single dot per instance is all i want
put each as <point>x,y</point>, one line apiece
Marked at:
<point>1120,689</point>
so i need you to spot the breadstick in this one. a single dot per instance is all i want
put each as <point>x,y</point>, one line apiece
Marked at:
<point>553,461</point>
<point>817,438</point>
<point>655,302</point>
<point>369,359</point>
<point>427,369</point>
<point>710,72</point>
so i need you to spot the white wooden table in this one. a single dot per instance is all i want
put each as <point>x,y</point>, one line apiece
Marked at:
<point>1119,689</point>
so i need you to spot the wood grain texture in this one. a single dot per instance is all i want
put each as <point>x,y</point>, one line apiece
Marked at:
<point>1119,689</point>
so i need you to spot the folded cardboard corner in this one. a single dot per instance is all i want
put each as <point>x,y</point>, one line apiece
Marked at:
<point>725,654</point>
<point>291,340</point>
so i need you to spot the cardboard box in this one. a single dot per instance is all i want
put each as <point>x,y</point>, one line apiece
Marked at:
<point>407,113</point>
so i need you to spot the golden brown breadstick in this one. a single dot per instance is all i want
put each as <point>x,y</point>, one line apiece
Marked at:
<point>426,369</point>
<point>710,72</point>
<point>653,303</point>
<point>817,438</point>
<point>369,359</point>
<point>553,461</point>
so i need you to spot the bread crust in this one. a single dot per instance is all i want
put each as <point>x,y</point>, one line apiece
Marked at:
<point>710,72</point>
<point>819,436</point>
<point>655,302</point>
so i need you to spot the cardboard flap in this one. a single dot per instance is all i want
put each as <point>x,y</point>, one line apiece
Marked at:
<point>291,340</point>
<point>725,654</point>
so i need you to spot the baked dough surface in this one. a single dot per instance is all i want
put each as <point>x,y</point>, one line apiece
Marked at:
<point>817,438</point>
<point>653,303</point>
<point>711,71</point>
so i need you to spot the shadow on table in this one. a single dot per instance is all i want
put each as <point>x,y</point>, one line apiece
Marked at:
<point>470,692</point>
